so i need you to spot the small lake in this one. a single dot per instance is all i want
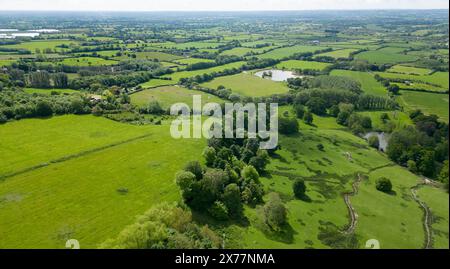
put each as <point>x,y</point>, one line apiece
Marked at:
<point>383,138</point>
<point>276,75</point>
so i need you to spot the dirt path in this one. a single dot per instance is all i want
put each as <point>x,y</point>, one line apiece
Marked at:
<point>427,219</point>
<point>352,212</point>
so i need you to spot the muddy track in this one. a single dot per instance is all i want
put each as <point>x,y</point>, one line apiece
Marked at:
<point>427,218</point>
<point>72,156</point>
<point>352,213</point>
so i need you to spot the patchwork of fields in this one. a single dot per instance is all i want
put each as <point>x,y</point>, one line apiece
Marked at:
<point>84,166</point>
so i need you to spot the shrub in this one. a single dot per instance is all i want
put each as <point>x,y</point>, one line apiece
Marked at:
<point>299,188</point>
<point>288,125</point>
<point>43,109</point>
<point>299,111</point>
<point>275,213</point>
<point>154,108</point>
<point>308,118</point>
<point>3,118</point>
<point>412,166</point>
<point>320,147</point>
<point>384,185</point>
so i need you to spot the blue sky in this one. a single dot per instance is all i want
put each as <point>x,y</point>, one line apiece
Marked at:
<point>178,5</point>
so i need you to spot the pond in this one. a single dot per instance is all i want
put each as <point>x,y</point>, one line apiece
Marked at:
<point>276,75</point>
<point>383,138</point>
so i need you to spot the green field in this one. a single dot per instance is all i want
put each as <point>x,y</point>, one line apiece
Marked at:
<point>397,118</point>
<point>403,214</point>
<point>419,86</point>
<point>409,70</point>
<point>368,83</point>
<point>288,51</point>
<point>88,61</point>
<point>437,78</point>
<point>188,45</point>
<point>430,103</point>
<point>437,201</point>
<point>338,54</point>
<point>296,64</point>
<point>188,61</point>
<point>242,51</point>
<point>386,56</point>
<point>247,84</point>
<point>170,95</point>
<point>79,197</point>
<point>157,83</point>
<point>41,45</point>
<point>150,55</point>
<point>328,174</point>
<point>49,91</point>
<point>187,74</point>
<point>6,62</point>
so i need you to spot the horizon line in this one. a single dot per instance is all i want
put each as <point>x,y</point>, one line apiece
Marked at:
<point>230,10</point>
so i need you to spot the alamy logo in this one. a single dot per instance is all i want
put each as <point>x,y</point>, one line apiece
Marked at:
<point>230,123</point>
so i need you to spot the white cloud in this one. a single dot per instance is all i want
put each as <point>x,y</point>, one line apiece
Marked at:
<point>158,5</point>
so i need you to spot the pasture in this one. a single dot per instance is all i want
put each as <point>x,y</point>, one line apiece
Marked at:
<point>92,196</point>
<point>42,45</point>
<point>328,174</point>
<point>438,78</point>
<point>6,62</point>
<point>188,74</point>
<point>303,65</point>
<point>188,61</point>
<point>368,83</point>
<point>281,53</point>
<point>87,61</point>
<point>247,84</point>
<point>386,56</point>
<point>403,69</point>
<point>150,55</point>
<point>338,54</point>
<point>156,83</point>
<point>437,200</point>
<point>429,103</point>
<point>49,91</point>
<point>169,95</point>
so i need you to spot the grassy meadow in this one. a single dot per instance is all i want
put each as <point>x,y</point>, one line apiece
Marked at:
<point>429,103</point>
<point>92,196</point>
<point>328,174</point>
<point>368,83</point>
<point>296,64</point>
<point>187,74</point>
<point>169,95</point>
<point>247,84</point>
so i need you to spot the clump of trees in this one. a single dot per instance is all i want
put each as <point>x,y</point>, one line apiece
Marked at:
<point>422,148</point>
<point>229,180</point>
<point>165,226</point>
<point>16,104</point>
